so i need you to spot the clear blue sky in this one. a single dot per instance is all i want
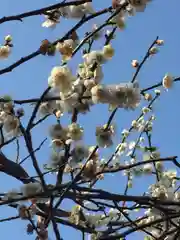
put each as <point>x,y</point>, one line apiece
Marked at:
<point>30,79</point>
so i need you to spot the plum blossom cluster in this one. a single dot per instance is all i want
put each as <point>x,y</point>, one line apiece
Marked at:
<point>79,11</point>
<point>123,95</point>
<point>73,11</point>
<point>85,90</point>
<point>96,220</point>
<point>67,47</point>
<point>72,134</point>
<point>134,5</point>
<point>164,189</point>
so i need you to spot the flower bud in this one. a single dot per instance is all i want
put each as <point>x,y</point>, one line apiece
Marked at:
<point>8,38</point>
<point>167,81</point>
<point>160,42</point>
<point>108,51</point>
<point>153,50</point>
<point>135,63</point>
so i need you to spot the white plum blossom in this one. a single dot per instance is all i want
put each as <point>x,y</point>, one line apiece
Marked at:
<point>56,131</point>
<point>80,10</point>
<point>75,132</point>
<point>11,125</point>
<point>46,108</point>
<point>61,78</point>
<point>52,18</point>
<point>94,57</point>
<point>4,52</point>
<point>147,168</point>
<point>119,19</point>
<point>69,101</point>
<point>123,95</point>
<point>167,81</point>
<point>125,132</point>
<point>104,136</point>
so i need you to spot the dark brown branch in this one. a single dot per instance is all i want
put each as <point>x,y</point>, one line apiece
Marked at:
<point>13,169</point>
<point>33,116</point>
<point>144,60</point>
<point>139,227</point>
<point>9,219</point>
<point>127,167</point>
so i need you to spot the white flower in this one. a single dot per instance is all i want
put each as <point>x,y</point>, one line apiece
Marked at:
<point>167,81</point>
<point>108,51</point>
<point>93,218</point>
<point>94,57</point>
<point>80,10</point>
<point>145,110</point>
<point>148,168</point>
<point>31,189</point>
<point>170,174</point>
<point>108,32</point>
<point>98,34</point>
<point>133,160</point>
<point>132,145</point>
<point>51,19</point>
<point>66,48</point>
<point>177,196</point>
<point>116,159</point>
<point>125,133</point>
<point>49,23</point>
<point>89,83</point>
<point>61,77</point>
<point>103,138</point>
<point>141,139</point>
<point>157,91</point>
<point>11,125</point>
<point>134,124</point>
<point>56,131</point>
<point>69,102</point>
<point>123,95</point>
<point>113,212</point>
<point>4,52</point>
<point>75,131</point>
<point>46,108</point>
<point>122,147</point>
<point>119,19</point>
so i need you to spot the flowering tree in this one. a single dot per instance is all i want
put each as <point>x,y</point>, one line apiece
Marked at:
<point>76,168</point>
